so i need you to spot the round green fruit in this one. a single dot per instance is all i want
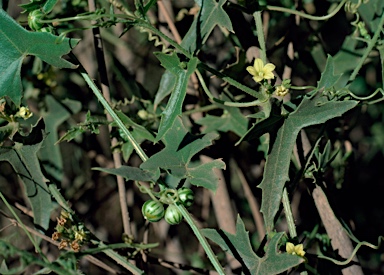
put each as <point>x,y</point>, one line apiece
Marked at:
<point>34,18</point>
<point>153,211</point>
<point>173,215</point>
<point>186,196</point>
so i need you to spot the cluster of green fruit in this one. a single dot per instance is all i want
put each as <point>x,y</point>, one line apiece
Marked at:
<point>154,211</point>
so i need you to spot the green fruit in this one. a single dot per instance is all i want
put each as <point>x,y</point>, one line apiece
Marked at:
<point>153,211</point>
<point>186,196</point>
<point>34,18</point>
<point>173,215</point>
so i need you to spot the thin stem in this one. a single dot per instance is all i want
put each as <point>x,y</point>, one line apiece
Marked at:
<point>202,239</point>
<point>369,48</point>
<point>381,51</point>
<point>233,82</point>
<point>98,43</point>
<point>201,109</point>
<point>226,103</point>
<point>308,16</point>
<point>146,25</point>
<point>147,190</point>
<point>239,104</point>
<point>203,85</point>
<point>260,35</point>
<point>37,248</point>
<point>88,17</point>
<point>138,22</point>
<point>120,7</point>
<point>365,97</point>
<point>289,215</point>
<point>168,18</point>
<point>114,116</point>
<point>302,87</point>
<point>119,259</point>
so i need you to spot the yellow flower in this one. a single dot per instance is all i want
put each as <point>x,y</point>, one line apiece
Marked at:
<point>281,90</point>
<point>24,112</point>
<point>295,249</point>
<point>80,235</point>
<point>260,72</point>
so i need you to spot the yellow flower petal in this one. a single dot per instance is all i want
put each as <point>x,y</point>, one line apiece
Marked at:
<point>269,75</point>
<point>260,72</point>
<point>269,67</point>
<point>251,70</point>
<point>290,248</point>
<point>258,78</point>
<point>299,249</point>
<point>258,65</point>
<point>295,249</point>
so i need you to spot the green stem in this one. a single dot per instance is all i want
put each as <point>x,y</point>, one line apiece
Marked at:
<point>202,239</point>
<point>233,82</point>
<point>289,215</point>
<point>239,104</point>
<point>120,259</point>
<point>302,87</point>
<point>308,16</point>
<point>148,26</point>
<point>381,51</point>
<point>369,48</point>
<point>89,17</point>
<point>139,22</point>
<point>114,116</point>
<point>99,249</point>
<point>365,97</point>
<point>60,199</point>
<point>226,103</point>
<point>347,261</point>
<point>260,36</point>
<point>201,109</point>
<point>37,248</point>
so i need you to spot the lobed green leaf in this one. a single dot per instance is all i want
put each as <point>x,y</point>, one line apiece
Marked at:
<point>180,147</point>
<point>239,246</point>
<point>16,43</point>
<point>175,102</point>
<point>308,113</point>
<point>210,15</point>
<point>55,114</point>
<point>23,159</point>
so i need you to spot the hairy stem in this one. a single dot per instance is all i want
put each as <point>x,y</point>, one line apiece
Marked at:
<point>203,241</point>
<point>260,36</point>
<point>289,215</point>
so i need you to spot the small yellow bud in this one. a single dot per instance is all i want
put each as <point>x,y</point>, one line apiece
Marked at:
<point>281,91</point>
<point>80,235</point>
<point>24,113</point>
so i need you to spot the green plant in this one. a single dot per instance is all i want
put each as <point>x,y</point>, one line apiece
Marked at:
<point>173,215</point>
<point>153,211</point>
<point>265,91</point>
<point>186,196</point>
